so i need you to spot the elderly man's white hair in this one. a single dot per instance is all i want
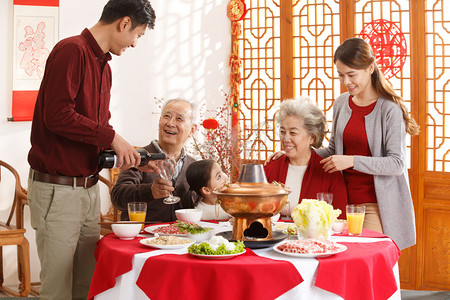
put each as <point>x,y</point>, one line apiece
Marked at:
<point>192,104</point>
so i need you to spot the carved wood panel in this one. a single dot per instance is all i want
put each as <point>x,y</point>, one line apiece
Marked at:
<point>436,254</point>
<point>297,60</point>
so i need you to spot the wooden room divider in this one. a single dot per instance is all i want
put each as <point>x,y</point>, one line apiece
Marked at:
<point>284,49</point>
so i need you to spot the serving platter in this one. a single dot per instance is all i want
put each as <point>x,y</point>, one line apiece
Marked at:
<point>151,229</point>
<point>223,256</point>
<point>342,248</point>
<point>166,247</point>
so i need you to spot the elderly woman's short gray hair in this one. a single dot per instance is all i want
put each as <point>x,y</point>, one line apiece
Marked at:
<point>192,104</point>
<point>313,118</point>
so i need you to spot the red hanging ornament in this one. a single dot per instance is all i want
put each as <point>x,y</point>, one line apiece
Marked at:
<point>236,10</point>
<point>389,45</point>
<point>210,124</point>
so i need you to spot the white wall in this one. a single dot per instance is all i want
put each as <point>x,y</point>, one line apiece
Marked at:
<point>185,55</point>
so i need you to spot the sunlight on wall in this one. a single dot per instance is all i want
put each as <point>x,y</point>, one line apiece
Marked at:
<point>185,55</point>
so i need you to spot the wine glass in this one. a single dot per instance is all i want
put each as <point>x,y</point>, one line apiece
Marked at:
<point>327,197</point>
<point>167,172</point>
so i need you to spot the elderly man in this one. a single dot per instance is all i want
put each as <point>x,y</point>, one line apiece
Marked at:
<point>176,125</point>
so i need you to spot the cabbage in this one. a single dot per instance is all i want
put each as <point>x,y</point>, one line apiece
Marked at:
<point>206,249</point>
<point>315,215</point>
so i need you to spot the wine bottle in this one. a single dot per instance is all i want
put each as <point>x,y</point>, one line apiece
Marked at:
<point>108,159</point>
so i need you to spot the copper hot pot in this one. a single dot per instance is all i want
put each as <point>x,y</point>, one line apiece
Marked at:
<point>252,201</point>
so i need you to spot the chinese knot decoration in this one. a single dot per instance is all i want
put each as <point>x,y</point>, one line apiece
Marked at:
<point>388,43</point>
<point>236,11</point>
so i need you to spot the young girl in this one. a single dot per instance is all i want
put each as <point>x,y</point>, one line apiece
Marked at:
<point>203,177</point>
<point>367,143</point>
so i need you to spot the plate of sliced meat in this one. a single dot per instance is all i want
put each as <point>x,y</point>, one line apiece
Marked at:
<point>309,248</point>
<point>167,229</point>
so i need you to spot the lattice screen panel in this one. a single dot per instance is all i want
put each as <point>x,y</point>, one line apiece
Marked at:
<point>316,35</point>
<point>260,87</point>
<point>383,23</point>
<point>438,85</point>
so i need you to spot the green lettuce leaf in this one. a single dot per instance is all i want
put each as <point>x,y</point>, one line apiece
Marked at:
<point>205,249</point>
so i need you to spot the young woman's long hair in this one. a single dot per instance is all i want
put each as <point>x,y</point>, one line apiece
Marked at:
<point>356,53</point>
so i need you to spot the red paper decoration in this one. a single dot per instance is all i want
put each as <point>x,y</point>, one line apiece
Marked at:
<point>388,43</point>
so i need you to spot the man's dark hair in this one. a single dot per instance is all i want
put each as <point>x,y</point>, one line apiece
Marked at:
<point>139,11</point>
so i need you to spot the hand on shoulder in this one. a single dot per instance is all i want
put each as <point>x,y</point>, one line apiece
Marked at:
<point>274,156</point>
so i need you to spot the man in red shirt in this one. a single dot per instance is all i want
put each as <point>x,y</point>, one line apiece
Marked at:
<point>70,127</point>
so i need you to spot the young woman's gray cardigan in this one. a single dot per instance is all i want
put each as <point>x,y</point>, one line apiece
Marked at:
<point>386,135</point>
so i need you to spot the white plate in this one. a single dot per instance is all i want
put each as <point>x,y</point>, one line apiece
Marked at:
<point>165,247</point>
<point>224,256</point>
<point>150,229</point>
<point>342,248</point>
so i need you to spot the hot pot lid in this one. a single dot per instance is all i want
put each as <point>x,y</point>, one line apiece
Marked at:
<point>253,188</point>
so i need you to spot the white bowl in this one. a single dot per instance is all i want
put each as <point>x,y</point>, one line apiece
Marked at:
<point>126,230</point>
<point>340,226</point>
<point>191,215</point>
<point>200,237</point>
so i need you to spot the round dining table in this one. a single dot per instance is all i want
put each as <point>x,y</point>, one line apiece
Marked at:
<point>127,269</point>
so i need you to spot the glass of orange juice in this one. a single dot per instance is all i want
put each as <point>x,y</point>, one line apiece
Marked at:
<point>137,211</point>
<point>355,218</point>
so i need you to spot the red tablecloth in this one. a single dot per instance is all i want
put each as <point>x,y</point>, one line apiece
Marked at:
<point>247,276</point>
<point>364,271</point>
<point>160,273</point>
<point>111,264</point>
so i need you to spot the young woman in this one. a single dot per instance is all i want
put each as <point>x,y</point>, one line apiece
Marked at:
<point>203,177</point>
<point>367,143</point>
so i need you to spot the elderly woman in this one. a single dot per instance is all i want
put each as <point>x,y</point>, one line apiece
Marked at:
<point>303,126</point>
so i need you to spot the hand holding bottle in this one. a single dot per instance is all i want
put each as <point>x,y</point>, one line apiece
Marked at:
<point>108,159</point>
<point>127,156</point>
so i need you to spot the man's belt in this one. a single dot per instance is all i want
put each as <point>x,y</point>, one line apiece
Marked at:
<point>85,182</point>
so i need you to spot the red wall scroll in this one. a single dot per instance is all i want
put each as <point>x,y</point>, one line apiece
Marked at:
<point>36,27</point>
